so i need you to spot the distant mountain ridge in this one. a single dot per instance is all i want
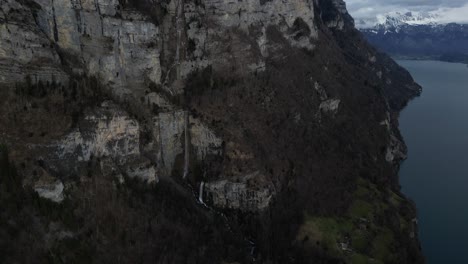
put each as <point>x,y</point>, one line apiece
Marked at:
<point>417,36</point>
<point>395,20</point>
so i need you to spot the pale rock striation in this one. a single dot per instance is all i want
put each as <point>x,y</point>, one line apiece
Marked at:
<point>396,150</point>
<point>142,168</point>
<point>321,91</point>
<point>108,132</point>
<point>169,131</point>
<point>285,14</point>
<point>24,49</point>
<point>233,20</point>
<point>49,188</point>
<point>248,193</point>
<point>168,134</point>
<point>109,41</point>
<point>203,140</point>
<point>330,106</point>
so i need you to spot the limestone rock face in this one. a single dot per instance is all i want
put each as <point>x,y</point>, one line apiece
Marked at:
<point>234,22</point>
<point>120,46</point>
<point>149,57</point>
<point>396,150</point>
<point>338,19</point>
<point>285,14</point>
<point>273,107</point>
<point>169,134</point>
<point>50,188</point>
<point>249,193</point>
<point>107,131</point>
<point>203,140</point>
<point>24,49</point>
<point>340,6</point>
<point>330,106</point>
<point>143,169</point>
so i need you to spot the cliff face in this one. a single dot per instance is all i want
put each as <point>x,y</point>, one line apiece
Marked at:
<point>266,128</point>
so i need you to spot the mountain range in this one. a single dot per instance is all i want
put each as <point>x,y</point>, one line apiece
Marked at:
<point>417,36</point>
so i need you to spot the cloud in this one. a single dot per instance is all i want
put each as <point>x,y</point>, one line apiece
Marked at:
<point>457,15</point>
<point>449,10</point>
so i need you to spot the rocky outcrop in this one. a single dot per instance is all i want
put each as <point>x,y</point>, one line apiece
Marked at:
<point>396,151</point>
<point>286,15</point>
<point>330,106</point>
<point>338,17</point>
<point>106,131</point>
<point>120,46</point>
<point>49,188</point>
<point>212,24</point>
<point>249,193</point>
<point>24,49</point>
<point>143,169</point>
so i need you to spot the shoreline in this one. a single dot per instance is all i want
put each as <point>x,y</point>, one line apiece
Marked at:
<point>396,58</point>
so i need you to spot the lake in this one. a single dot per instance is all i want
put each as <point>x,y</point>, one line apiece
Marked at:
<point>435,175</point>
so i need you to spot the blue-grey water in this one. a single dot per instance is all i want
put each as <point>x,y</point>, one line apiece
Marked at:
<point>435,176</point>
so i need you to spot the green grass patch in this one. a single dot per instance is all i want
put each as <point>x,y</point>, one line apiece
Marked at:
<point>370,241</point>
<point>362,190</point>
<point>382,245</point>
<point>357,258</point>
<point>403,223</point>
<point>361,208</point>
<point>328,231</point>
<point>395,199</point>
<point>360,241</point>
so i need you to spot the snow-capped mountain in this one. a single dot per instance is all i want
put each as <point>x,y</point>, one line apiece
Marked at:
<point>417,35</point>
<point>395,20</point>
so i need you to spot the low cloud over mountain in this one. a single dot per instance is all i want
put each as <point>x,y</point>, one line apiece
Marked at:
<point>368,12</point>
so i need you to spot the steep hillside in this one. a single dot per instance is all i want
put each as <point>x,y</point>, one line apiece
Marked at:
<point>199,131</point>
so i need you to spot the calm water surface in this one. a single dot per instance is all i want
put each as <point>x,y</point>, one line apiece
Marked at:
<point>435,176</point>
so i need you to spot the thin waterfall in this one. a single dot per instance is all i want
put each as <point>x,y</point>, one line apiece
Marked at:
<point>186,145</point>
<point>179,28</point>
<point>200,195</point>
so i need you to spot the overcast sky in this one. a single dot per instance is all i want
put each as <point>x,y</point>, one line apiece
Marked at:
<point>450,10</point>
